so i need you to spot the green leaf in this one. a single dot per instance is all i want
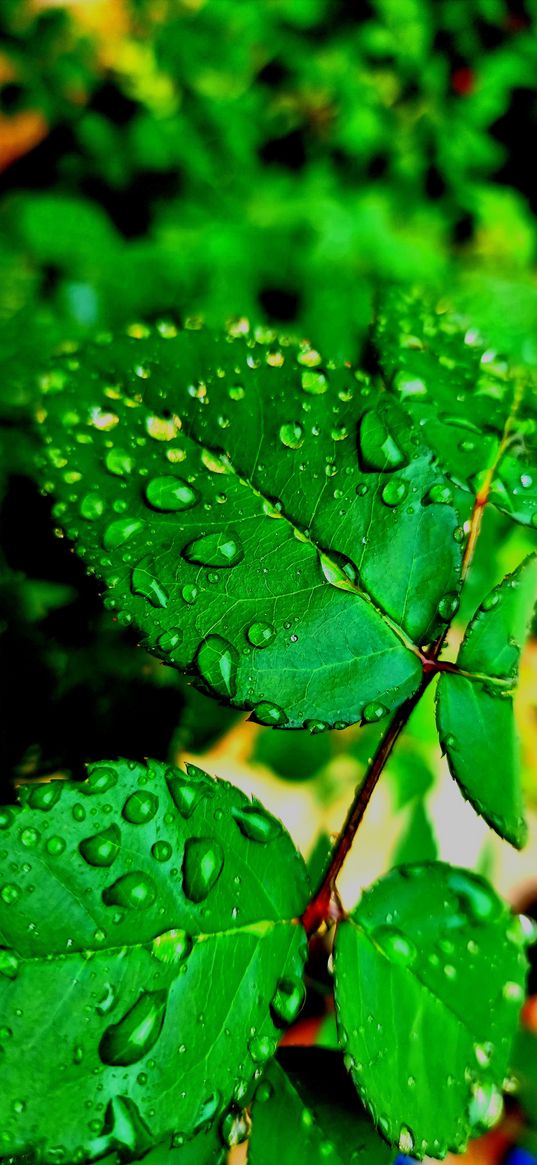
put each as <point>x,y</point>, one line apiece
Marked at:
<point>418,842</point>
<point>429,978</point>
<point>305,1109</point>
<point>149,954</point>
<point>475,716</point>
<point>478,414</point>
<point>214,484</point>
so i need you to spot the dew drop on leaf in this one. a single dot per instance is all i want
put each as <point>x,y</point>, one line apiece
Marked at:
<point>373,711</point>
<point>394,492</point>
<point>267,713</point>
<point>9,963</point>
<point>119,462</point>
<point>397,947</point>
<point>262,1048</point>
<point>133,1037</point>
<point>486,1107</point>
<point>441,494</point>
<point>292,435</point>
<point>256,824</point>
<point>207,1110</point>
<point>161,851</point>
<point>45,796</point>
<point>145,582</point>
<point>170,639</point>
<point>288,1000</point>
<point>217,665</point>
<point>261,634</point>
<point>377,447</point>
<point>91,507</point>
<point>171,494</point>
<point>314,382</point>
<point>134,890</point>
<point>119,531</point>
<point>477,900</point>
<point>448,606</point>
<point>219,549</point>
<point>189,594</point>
<point>406,1140</point>
<point>174,946</point>
<point>185,795</point>
<point>102,848</point>
<point>140,807</point>
<point>202,865</point>
<point>100,780</point>
<point>234,1127</point>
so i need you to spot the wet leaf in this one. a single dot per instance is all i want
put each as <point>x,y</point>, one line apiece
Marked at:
<point>475,715</point>
<point>306,1109</point>
<point>147,939</point>
<point>430,973</point>
<point>274,526</point>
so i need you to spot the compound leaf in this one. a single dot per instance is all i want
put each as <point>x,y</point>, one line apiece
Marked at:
<point>478,414</point>
<point>475,715</point>
<point>214,483</point>
<point>150,952</point>
<point>429,978</point>
<point>306,1110</point>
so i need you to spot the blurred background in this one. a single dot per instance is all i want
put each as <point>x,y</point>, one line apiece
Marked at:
<point>279,160</point>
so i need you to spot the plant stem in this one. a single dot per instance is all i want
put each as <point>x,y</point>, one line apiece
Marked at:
<point>318,909</point>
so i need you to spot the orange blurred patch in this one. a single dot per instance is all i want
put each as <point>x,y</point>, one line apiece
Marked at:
<point>20,133</point>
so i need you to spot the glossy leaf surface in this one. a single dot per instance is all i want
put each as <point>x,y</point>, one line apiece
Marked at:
<point>272,525</point>
<point>477,413</point>
<point>429,978</point>
<point>475,715</point>
<point>147,934</point>
<point>306,1112</point>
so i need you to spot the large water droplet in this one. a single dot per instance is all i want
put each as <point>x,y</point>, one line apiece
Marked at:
<point>476,898</point>
<point>256,824</point>
<point>339,570</point>
<point>292,436</point>
<point>174,946</point>
<point>288,1000</point>
<point>140,807</point>
<point>119,462</point>
<point>217,664</point>
<point>373,711</point>
<point>234,1127</point>
<point>170,639</point>
<point>314,382</point>
<point>145,582</point>
<point>261,634</point>
<point>221,550</point>
<point>161,851</point>
<point>448,606</point>
<point>406,1140</point>
<point>119,531</point>
<point>262,1048</point>
<point>102,848</point>
<point>202,865</point>
<point>171,493</point>
<point>207,1110</point>
<point>92,507</point>
<point>123,1128</point>
<point>441,493</point>
<point>486,1107</point>
<point>135,890</point>
<point>45,796</point>
<point>394,492</point>
<point>9,963</point>
<point>100,780</point>
<point>133,1037</point>
<point>397,947</point>
<point>267,713</point>
<point>377,446</point>
<point>185,795</point>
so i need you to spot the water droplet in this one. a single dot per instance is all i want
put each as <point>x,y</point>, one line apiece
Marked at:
<point>145,582</point>
<point>236,392</point>
<point>91,507</point>
<point>202,865</point>
<point>267,713</point>
<point>119,462</point>
<point>171,494</point>
<point>208,1110</point>
<point>107,1000</point>
<point>264,1092</point>
<point>234,1127</point>
<point>397,947</point>
<point>55,846</point>
<point>513,992</point>
<point>45,796</point>
<point>483,1054</point>
<point>486,1107</point>
<point>491,601</point>
<point>440,493</point>
<point>134,890</point>
<point>339,570</point>
<point>174,946</point>
<point>477,900</point>
<point>315,726</point>
<point>217,664</point>
<point>221,550</point>
<point>406,1140</point>
<point>377,446</point>
<point>373,711</point>
<point>394,492</point>
<point>140,807</point>
<point>100,780</point>
<point>288,1000</point>
<point>314,382</point>
<point>292,436</point>
<point>256,824</point>
<point>9,963</point>
<point>185,794</point>
<point>161,851</point>
<point>448,606</point>
<point>30,837</point>
<point>262,1048</point>
<point>189,594</point>
<point>261,634</point>
<point>170,639</point>
<point>119,531</point>
<point>102,848</point>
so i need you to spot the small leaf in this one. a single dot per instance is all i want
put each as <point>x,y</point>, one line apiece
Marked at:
<point>148,940</point>
<point>429,978</point>
<point>418,842</point>
<point>305,1109</point>
<point>475,715</point>
<point>288,519</point>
